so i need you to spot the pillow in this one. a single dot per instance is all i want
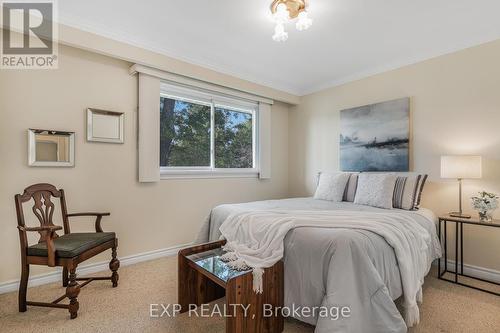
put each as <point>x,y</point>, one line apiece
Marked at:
<point>420,189</point>
<point>407,191</point>
<point>331,186</point>
<point>375,190</point>
<point>350,190</point>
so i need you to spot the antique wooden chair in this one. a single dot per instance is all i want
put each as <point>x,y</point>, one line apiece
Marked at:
<point>67,250</point>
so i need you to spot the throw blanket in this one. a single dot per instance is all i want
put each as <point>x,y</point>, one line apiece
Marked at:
<point>255,239</point>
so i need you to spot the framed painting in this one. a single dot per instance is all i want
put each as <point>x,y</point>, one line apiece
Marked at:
<point>376,137</point>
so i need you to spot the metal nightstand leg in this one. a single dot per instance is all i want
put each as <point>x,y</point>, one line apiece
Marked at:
<point>445,247</point>
<point>461,248</point>
<point>440,242</point>
<point>443,236</point>
<point>456,252</point>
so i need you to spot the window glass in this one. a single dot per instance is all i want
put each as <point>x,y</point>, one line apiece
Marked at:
<point>233,138</point>
<point>184,133</point>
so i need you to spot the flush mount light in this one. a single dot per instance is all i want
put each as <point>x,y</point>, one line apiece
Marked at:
<point>287,10</point>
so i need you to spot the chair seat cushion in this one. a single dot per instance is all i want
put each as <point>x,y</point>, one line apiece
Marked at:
<point>71,245</point>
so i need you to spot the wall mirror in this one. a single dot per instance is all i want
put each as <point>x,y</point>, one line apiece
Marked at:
<point>51,148</point>
<point>104,126</point>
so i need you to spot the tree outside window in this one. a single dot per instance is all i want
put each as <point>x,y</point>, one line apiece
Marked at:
<point>186,138</point>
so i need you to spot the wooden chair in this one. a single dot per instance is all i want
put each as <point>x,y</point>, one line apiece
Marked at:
<point>67,250</point>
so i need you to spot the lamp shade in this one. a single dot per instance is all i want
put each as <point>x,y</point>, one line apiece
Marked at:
<point>461,166</point>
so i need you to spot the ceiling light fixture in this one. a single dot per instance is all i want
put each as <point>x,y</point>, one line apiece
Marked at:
<point>287,10</point>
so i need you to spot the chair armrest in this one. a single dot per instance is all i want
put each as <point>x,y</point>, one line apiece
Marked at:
<point>49,240</point>
<point>51,228</point>
<point>88,214</point>
<point>97,220</point>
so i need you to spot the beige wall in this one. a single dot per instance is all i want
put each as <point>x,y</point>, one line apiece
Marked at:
<point>145,216</point>
<point>455,110</point>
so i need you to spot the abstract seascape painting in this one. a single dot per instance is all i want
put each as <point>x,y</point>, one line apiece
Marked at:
<point>376,137</point>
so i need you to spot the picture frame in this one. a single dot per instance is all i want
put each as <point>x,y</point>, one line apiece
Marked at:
<point>105,126</point>
<point>50,148</point>
<point>376,137</point>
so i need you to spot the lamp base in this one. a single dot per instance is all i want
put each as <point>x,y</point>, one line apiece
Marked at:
<point>460,215</point>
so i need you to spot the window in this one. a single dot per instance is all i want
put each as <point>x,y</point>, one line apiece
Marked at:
<point>203,133</point>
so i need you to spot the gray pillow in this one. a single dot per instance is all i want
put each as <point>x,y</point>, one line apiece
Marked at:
<point>375,190</point>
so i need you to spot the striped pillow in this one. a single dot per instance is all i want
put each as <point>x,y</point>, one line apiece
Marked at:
<point>350,189</point>
<point>408,191</point>
<point>420,189</point>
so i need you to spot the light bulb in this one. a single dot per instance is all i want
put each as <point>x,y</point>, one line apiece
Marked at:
<point>280,35</point>
<point>304,21</point>
<point>281,15</point>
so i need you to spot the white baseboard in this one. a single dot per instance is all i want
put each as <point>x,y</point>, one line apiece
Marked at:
<point>480,272</point>
<point>38,280</point>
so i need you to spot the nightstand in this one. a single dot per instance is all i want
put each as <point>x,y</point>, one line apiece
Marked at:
<point>204,277</point>
<point>459,265</point>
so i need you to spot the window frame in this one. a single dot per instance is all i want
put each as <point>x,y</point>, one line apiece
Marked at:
<point>214,100</point>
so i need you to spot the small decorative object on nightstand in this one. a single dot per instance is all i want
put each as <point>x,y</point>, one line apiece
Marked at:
<point>459,263</point>
<point>485,203</point>
<point>460,167</point>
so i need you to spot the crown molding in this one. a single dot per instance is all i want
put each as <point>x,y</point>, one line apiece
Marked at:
<point>87,37</point>
<point>289,93</point>
<point>288,89</point>
<point>389,67</point>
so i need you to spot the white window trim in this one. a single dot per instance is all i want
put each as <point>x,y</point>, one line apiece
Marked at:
<point>170,173</point>
<point>191,82</point>
<point>213,100</point>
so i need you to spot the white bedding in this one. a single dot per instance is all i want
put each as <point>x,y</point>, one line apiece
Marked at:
<point>338,266</point>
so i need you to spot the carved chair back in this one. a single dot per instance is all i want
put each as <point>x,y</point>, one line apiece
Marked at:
<point>43,208</point>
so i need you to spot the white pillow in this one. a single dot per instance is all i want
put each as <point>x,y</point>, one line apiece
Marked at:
<point>331,186</point>
<point>375,190</point>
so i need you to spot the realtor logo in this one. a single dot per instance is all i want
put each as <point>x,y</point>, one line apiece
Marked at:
<point>29,35</point>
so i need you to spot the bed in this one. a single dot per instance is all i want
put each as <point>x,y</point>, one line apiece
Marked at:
<point>336,267</point>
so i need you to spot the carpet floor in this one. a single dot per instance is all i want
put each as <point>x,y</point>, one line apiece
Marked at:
<point>446,307</point>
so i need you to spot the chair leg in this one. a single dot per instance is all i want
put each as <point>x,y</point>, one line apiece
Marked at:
<point>23,288</point>
<point>72,291</point>
<point>114,264</point>
<point>65,277</point>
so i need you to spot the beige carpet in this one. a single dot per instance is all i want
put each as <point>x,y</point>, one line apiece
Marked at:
<point>446,307</point>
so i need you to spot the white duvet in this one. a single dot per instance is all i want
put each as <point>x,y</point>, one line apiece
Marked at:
<point>358,250</point>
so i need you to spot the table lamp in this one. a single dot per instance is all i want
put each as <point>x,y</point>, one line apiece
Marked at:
<point>460,167</point>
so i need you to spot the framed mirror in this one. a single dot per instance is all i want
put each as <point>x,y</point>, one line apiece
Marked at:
<point>51,148</point>
<point>104,126</point>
